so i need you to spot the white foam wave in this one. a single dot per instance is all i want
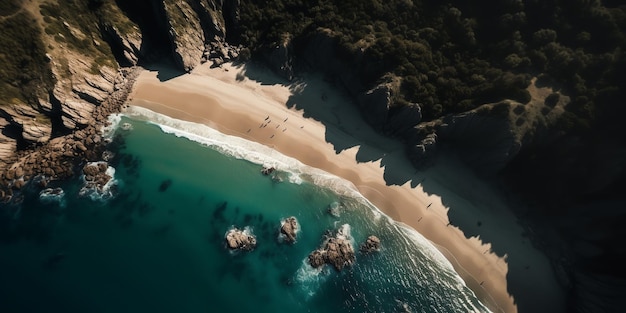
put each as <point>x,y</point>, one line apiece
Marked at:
<point>52,195</point>
<point>344,232</point>
<point>241,148</point>
<point>247,230</point>
<point>428,249</point>
<point>310,279</point>
<point>109,130</point>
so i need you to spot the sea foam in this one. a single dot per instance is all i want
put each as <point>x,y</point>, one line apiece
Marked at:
<point>99,193</point>
<point>311,279</point>
<point>241,148</point>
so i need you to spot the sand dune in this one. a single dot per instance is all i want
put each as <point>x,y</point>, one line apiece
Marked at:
<point>309,121</point>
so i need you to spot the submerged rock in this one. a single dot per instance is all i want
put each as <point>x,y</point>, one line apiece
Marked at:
<point>289,228</point>
<point>371,244</point>
<point>165,185</point>
<point>237,239</point>
<point>51,195</point>
<point>334,209</point>
<point>268,170</point>
<point>336,251</point>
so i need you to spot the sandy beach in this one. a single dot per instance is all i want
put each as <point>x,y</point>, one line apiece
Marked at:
<point>312,122</point>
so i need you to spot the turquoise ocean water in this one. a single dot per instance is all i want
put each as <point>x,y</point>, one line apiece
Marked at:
<point>157,245</point>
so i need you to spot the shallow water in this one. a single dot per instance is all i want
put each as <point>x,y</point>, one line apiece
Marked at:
<point>158,244</point>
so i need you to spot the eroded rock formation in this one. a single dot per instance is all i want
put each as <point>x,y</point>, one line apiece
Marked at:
<point>336,250</point>
<point>289,229</point>
<point>371,244</point>
<point>238,239</point>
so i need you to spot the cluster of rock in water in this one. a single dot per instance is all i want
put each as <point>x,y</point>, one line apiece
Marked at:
<point>336,249</point>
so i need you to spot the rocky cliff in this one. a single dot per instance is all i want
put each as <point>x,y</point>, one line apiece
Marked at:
<point>83,48</point>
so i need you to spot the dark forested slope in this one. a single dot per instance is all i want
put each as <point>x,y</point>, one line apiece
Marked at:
<point>454,56</point>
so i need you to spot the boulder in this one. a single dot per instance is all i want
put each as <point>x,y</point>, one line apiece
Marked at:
<point>371,244</point>
<point>91,170</point>
<point>237,239</point>
<point>336,250</point>
<point>317,258</point>
<point>96,176</point>
<point>289,228</point>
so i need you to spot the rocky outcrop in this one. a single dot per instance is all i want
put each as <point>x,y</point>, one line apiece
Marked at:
<point>289,228</point>
<point>421,149</point>
<point>32,126</point>
<point>85,75</point>
<point>123,35</point>
<point>336,250</point>
<point>96,174</point>
<point>128,44</point>
<point>79,94</point>
<point>484,137</point>
<point>185,33</point>
<point>379,108</point>
<point>371,244</point>
<point>237,239</point>
<point>99,183</point>
<point>55,158</point>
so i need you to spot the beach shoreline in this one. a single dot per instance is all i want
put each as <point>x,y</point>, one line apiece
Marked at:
<point>227,100</point>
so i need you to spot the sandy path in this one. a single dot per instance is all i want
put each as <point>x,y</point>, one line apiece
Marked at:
<point>235,105</point>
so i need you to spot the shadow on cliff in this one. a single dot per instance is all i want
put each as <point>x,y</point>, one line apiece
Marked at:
<point>459,187</point>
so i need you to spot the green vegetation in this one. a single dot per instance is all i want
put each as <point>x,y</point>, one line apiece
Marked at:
<point>456,55</point>
<point>24,69</point>
<point>8,8</point>
<point>75,24</point>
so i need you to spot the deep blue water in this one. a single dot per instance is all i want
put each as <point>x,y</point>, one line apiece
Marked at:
<point>158,244</point>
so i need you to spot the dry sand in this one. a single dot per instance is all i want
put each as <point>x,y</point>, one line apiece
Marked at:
<point>311,122</point>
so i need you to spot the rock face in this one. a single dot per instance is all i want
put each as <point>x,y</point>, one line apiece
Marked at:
<point>237,239</point>
<point>279,58</point>
<point>289,228</point>
<point>380,110</point>
<point>336,250</point>
<point>371,244</point>
<point>421,149</point>
<point>486,140</point>
<point>129,44</point>
<point>87,83</point>
<point>185,33</point>
<point>375,105</point>
<point>402,119</point>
